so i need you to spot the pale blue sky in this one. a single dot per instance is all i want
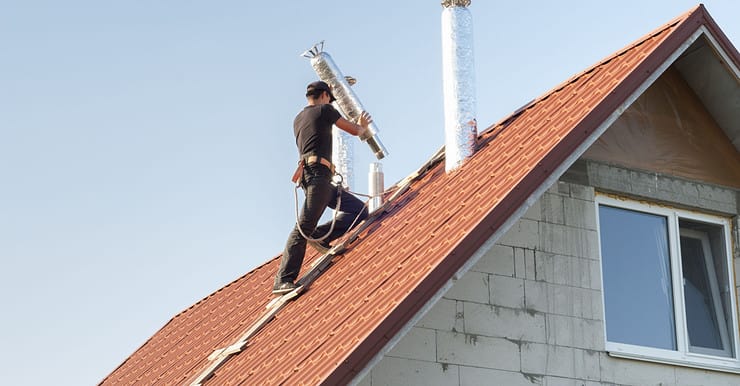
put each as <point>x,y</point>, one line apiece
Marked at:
<point>146,146</point>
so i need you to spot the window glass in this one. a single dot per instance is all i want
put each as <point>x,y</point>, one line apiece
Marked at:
<point>638,292</point>
<point>700,311</point>
<point>705,293</point>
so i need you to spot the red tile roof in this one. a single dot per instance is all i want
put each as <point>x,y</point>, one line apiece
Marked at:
<point>332,331</point>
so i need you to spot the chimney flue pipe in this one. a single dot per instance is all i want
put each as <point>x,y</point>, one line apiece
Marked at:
<point>458,81</point>
<point>375,186</point>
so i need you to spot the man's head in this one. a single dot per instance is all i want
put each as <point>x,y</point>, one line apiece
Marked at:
<point>316,89</point>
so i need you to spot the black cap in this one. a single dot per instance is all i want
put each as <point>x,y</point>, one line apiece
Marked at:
<point>315,88</point>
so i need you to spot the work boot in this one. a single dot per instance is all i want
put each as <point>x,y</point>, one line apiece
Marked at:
<point>283,288</point>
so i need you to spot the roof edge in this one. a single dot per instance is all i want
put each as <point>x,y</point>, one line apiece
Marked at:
<point>722,40</point>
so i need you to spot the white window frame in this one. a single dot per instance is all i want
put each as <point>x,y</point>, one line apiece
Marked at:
<point>714,287</point>
<point>682,356</point>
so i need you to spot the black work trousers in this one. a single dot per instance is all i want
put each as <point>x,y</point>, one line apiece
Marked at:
<point>320,193</point>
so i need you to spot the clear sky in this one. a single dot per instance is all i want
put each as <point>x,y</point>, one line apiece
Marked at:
<point>146,146</point>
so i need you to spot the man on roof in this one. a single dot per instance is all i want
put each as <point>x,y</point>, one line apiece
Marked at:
<point>313,131</point>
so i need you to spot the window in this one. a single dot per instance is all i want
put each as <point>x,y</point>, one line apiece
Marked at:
<point>667,285</point>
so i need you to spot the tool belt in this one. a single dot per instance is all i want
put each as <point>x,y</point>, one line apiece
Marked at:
<point>309,160</point>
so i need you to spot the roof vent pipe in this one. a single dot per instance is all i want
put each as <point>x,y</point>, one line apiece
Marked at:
<point>375,186</point>
<point>458,82</point>
<point>348,102</point>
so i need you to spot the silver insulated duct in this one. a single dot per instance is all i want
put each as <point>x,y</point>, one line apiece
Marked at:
<point>458,82</point>
<point>348,102</point>
<point>342,155</point>
<point>375,186</point>
<point>343,149</point>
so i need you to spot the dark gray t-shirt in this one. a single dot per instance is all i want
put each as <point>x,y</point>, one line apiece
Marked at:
<point>312,129</point>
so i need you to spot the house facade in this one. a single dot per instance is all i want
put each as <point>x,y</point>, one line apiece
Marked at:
<point>624,272</point>
<point>532,309</point>
<point>592,239</point>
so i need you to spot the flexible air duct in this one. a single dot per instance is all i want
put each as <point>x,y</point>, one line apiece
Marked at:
<point>348,102</point>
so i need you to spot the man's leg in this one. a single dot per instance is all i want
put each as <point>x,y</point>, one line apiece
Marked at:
<point>351,212</point>
<point>318,196</point>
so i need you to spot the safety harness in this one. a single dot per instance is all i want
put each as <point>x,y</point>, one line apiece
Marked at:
<point>298,177</point>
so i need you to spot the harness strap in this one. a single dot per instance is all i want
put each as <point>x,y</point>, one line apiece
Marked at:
<point>309,160</point>
<point>312,159</point>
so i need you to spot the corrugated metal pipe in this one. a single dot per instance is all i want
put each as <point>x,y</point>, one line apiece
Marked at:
<point>348,102</point>
<point>375,186</point>
<point>343,148</point>
<point>458,81</point>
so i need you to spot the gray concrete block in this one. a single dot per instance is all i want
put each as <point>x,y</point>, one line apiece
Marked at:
<point>472,287</point>
<point>582,192</point>
<point>565,270</point>
<point>561,188</point>
<point>477,351</point>
<point>644,184</point>
<point>563,300</point>
<point>507,291</point>
<point>557,381</point>
<point>520,266</point>
<point>575,332</point>
<point>663,188</point>
<point>524,265</point>
<point>586,365</point>
<point>630,372</point>
<point>529,264</point>
<point>558,361</point>
<point>677,191</point>
<point>577,174</point>
<point>475,376</point>
<point>497,260</point>
<point>418,343</point>
<point>543,266</point>
<point>609,177</point>
<point>686,376</point>
<point>400,371</point>
<point>534,358</point>
<point>566,240</point>
<point>719,197</point>
<point>522,234</point>
<point>574,301</point>
<point>568,270</point>
<point>594,267</point>
<point>553,210</point>
<point>534,212</point>
<point>535,296</point>
<point>580,213</point>
<point>500,322</point>
<point>443,316</point>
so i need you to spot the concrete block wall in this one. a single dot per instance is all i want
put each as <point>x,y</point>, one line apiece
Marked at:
<point>530,311</point>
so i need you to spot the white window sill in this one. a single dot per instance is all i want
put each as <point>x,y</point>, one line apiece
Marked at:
<point>700,362</point>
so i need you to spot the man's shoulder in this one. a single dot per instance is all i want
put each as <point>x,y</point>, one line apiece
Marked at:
<point>328,108</point>
<point>329,111</point>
